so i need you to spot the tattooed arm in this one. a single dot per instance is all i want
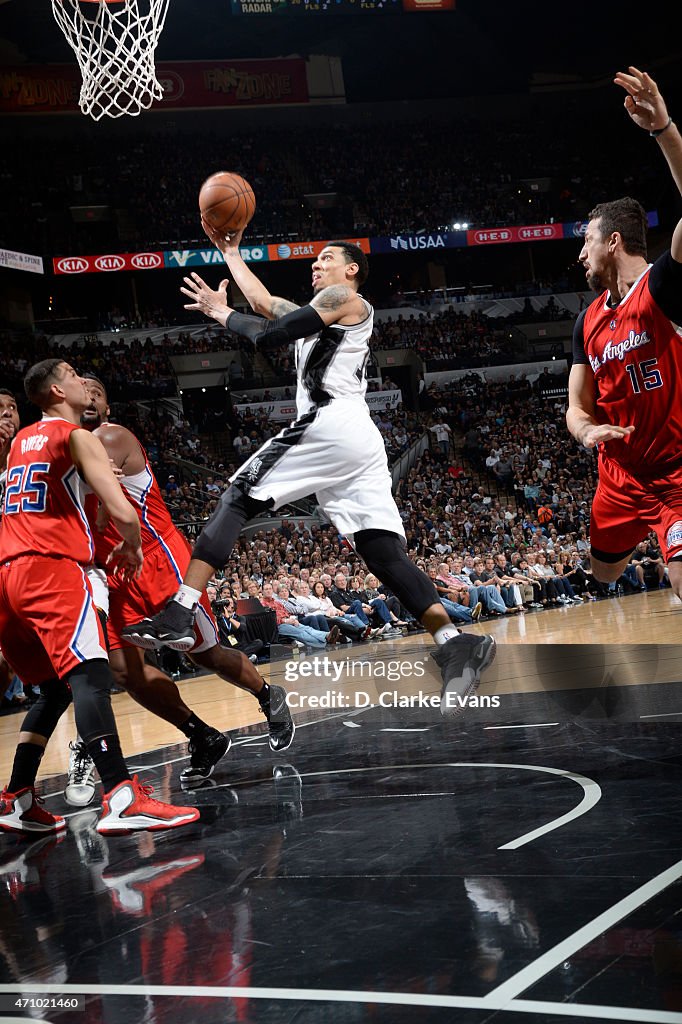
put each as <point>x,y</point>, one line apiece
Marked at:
<point>278,307</point>
<point>339,304</point>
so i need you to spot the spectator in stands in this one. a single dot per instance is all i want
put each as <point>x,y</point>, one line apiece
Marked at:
<point>647,555</point>
<point>568,565</point>
<point>450,599</point>
<point>289,628</point>
<point>374,607</point>
<point>441,432</point>
<point>350,625</point>
<point>375,592</point>
<point>295,605</point>
<point>233,629</point>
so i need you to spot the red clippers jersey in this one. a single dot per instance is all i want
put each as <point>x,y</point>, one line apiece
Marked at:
<point>43,511</point>
<point>142,491</point>
<point>635,352</point>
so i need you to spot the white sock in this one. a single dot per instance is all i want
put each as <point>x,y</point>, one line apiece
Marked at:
<point>187,597</point>
<point>445,633</point>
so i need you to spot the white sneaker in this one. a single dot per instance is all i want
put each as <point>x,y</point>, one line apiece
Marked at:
<point>80,780</point>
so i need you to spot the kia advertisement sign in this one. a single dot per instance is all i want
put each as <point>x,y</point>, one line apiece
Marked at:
<point>108,263</point>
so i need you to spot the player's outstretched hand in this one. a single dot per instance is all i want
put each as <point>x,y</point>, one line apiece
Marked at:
<point>224,242</point>
<point>126,560</point>
<point>604,432</point>
<point>205,299</point>
<point>643,102</point>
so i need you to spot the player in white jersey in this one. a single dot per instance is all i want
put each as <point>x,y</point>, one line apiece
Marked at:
<point>332,448</point>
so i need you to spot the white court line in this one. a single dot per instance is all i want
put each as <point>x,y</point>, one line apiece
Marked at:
<point>523,979</point>
<point>406,730</point>
<point>667,714</point>
<point>536,725</point>
<point>591,790</point>
<point>626,1013</point>
<point>593,1011</point>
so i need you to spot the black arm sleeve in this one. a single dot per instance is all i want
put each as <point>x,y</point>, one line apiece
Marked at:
<point>579,340</point>
<point>297,324</point>
<point>665,286</point>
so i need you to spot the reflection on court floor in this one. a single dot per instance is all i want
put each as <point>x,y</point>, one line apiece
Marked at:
<point>396,867</point>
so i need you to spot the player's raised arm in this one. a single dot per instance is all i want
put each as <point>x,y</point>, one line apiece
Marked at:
<point>298,323</point>
<point>646,106</point>
<point>93,464</point>
<point>254,291</point>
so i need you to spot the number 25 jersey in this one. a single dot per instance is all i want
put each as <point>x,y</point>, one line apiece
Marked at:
<point>43,508</point>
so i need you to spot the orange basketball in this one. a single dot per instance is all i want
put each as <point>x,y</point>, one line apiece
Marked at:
<point>227,202</point>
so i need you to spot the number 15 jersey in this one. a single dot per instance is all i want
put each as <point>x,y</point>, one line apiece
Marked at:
<point>635,352</point>
<point>43,509</point>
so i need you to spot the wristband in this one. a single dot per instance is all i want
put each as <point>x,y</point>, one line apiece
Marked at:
<point>659,131</point>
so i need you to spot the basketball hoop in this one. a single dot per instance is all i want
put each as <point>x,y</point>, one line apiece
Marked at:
<point>114,42</point>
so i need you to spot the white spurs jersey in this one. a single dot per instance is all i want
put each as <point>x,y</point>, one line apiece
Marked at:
<point>331,364</point>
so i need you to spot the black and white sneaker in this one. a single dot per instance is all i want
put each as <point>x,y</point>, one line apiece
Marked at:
<point>172,627</point>
<point>280,722</point>
<point>206,748</point>
<point>461,661</point>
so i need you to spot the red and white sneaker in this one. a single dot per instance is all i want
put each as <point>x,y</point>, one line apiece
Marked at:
<point>130,807</point>
<point>24,812</point>
<point>134,891</point>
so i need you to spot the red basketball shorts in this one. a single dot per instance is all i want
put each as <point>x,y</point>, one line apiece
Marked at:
<point>626,508</point>
<point>162,571</point>
<point>48,622</point>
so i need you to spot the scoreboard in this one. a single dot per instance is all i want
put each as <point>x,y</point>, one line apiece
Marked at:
<point>287,7</point>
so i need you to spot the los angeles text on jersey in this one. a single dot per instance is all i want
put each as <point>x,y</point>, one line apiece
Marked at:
<point>619,349</point>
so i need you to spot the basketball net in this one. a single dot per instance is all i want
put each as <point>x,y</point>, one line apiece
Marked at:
<point>114,42</point>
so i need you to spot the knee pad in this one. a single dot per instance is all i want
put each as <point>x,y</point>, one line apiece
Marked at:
<point>54,699</point>
<point>385,555</point>
<point>91,687</point>
<point>220,534</point>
